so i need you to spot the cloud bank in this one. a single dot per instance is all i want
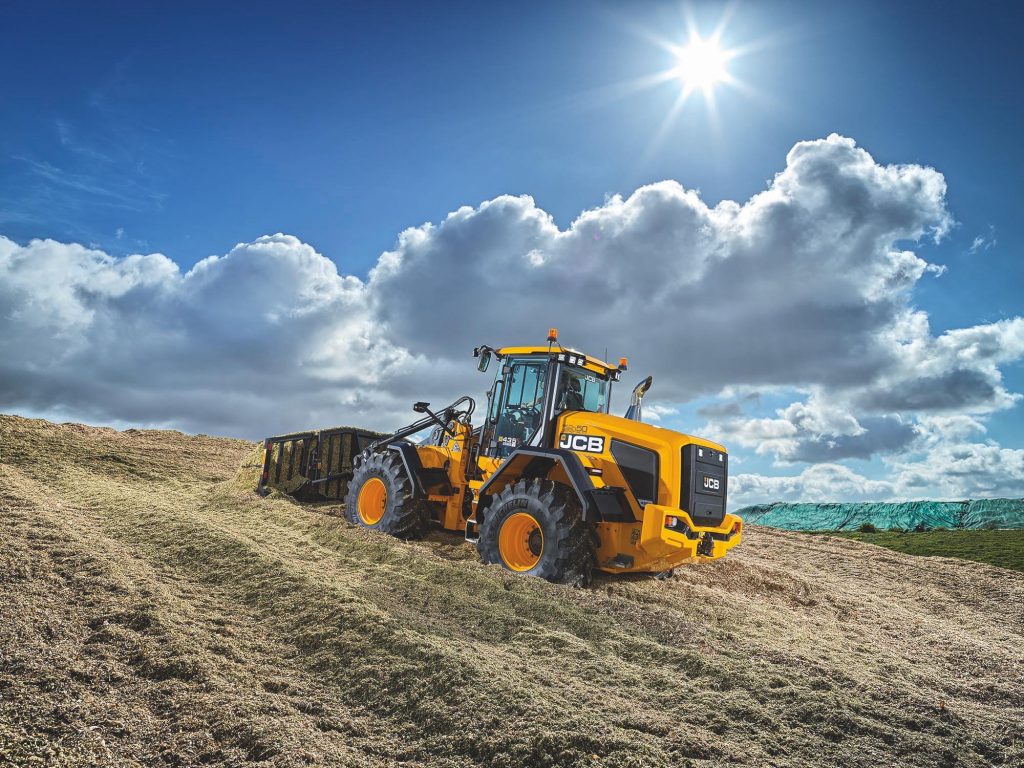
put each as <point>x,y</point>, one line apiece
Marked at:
<point>806,287</point>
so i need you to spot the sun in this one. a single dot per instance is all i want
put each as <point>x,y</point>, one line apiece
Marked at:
<point>694,63</point>
<point>701,64</point>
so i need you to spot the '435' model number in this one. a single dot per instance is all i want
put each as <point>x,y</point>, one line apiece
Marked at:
<point>582,443</point>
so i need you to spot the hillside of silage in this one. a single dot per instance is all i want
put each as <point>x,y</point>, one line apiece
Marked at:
<point>154,611</point>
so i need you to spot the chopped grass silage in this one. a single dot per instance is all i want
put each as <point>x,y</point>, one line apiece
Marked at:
<point>162,612</point>
<point>250,469</point>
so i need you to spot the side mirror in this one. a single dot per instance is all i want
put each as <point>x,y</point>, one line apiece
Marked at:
<point>485,361</point>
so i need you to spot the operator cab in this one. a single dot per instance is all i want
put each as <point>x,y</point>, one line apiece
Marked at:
<point>534,385</point>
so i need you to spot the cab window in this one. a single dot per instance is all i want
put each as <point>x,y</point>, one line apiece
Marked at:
<point>580,390</point>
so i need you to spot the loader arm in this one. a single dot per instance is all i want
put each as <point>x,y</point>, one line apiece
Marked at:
<point>450,420</point>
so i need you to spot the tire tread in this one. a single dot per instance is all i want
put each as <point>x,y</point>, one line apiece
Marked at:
<point>574,539</point>
<point>406,516</point>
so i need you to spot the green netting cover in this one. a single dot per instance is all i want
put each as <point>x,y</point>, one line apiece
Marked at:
<point>908,516</point>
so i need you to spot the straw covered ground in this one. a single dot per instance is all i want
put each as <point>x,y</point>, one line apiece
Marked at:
<point>154,611</point>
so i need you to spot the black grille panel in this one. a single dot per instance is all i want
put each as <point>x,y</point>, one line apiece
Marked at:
<point>640,468</point>
<point>704,481</point>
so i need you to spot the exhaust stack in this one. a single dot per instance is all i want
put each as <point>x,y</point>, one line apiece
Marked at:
<point>635,410</point>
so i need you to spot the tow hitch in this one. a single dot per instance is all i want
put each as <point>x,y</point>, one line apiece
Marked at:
<point>706,548</point>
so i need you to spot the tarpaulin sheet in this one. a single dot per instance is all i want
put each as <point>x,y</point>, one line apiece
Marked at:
<point>907,516</point>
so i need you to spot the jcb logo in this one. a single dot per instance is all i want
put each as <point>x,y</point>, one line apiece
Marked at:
<point>582,443</point>
<point>712,483</point>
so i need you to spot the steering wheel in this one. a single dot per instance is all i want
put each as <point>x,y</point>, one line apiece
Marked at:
<point>526,414</point>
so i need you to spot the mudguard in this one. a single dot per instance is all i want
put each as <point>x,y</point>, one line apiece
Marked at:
<point>424,480</point>
<point>598,504</point>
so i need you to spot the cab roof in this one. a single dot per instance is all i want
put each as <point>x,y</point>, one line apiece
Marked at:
<point>585,361</point>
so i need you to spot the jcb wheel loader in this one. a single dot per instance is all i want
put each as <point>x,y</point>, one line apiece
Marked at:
<point>551,484</point>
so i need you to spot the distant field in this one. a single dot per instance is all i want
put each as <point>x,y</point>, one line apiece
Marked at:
<point>1002,548</point>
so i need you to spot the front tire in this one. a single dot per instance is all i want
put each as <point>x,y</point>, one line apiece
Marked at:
<point>380,497</point>
<point>536,527</point>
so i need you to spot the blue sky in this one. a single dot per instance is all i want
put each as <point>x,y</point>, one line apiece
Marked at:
<point>184,129</point>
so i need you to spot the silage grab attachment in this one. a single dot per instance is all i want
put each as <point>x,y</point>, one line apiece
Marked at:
<point>315,465</point>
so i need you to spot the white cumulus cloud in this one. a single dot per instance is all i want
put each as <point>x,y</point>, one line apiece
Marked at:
<point>819,483</point>
<point>806,287</point>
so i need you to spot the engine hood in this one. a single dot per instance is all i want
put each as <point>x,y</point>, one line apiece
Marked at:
<point>636,432</point>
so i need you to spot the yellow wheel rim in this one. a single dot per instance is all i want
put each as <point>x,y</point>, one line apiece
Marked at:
<point>372,501</point>
<point>520,541</point>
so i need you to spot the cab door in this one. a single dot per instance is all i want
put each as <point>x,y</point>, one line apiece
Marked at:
<point>516,407</point>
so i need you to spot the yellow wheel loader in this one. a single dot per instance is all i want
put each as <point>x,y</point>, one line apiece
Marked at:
<point>550,484</point>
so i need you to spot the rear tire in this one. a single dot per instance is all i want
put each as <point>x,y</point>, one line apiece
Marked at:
<point>536,527</point>
<point>380,497</point>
